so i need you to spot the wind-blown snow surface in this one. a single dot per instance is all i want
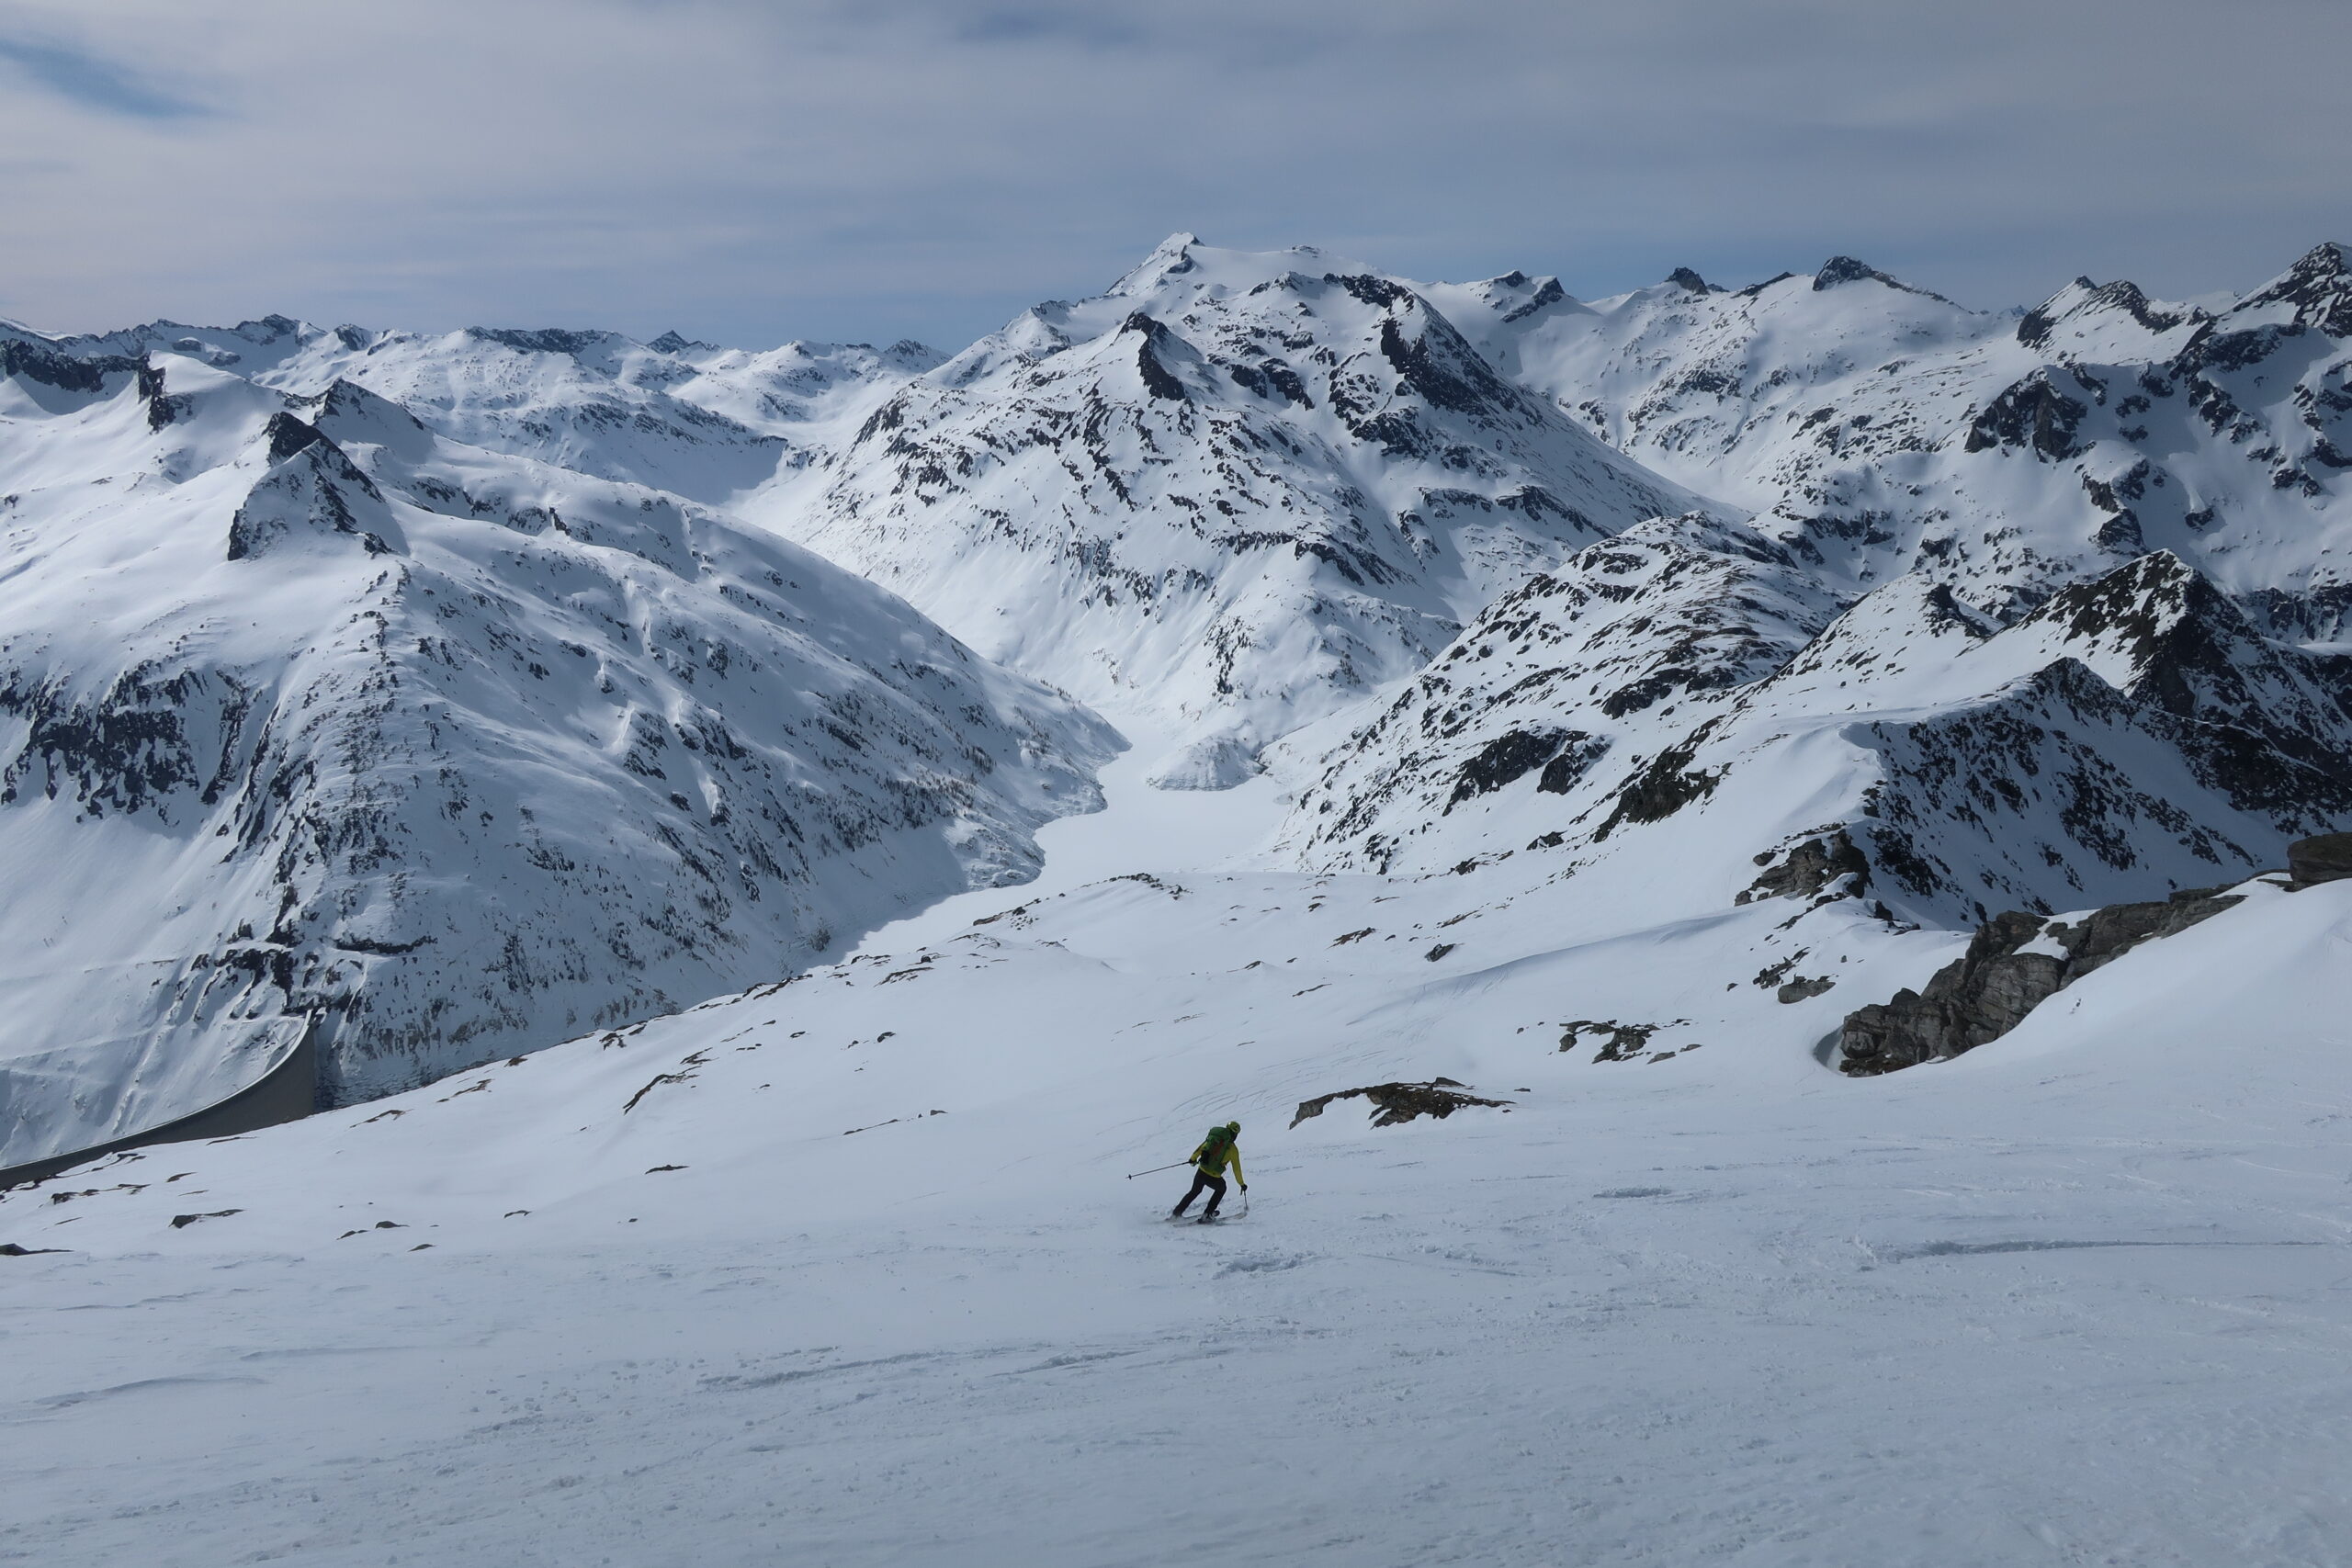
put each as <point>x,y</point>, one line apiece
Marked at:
<point>327,723</point>
<point>2073,1298</point>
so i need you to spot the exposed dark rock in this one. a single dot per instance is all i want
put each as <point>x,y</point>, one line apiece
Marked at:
<point>64,371</point>
<point>2034,330</point>
<point>1548,292</point>
<point>1396,1103</point>
<point>288,436</point>
<point>1505,760</point>
<point>1801,988</point>
<point>10,1249</point>
<point>2319,286</point>
<point>1625,1042</point>
<point>1158,379</point>
<point>1664,787</point>
<point>1443,369</point>
<point>1689,279</point>
<point>2264,723</point>
<point>2033,412</point>
<point>1988,991</point>
<point>546,340</point>
<point>1809,868</point>
<point>1579,753</point>
<point>181,1221</point>
<point>2327,858</point>
<point>1839,270</point>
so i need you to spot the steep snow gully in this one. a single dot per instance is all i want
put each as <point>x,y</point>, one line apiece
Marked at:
<point>1792,839</point>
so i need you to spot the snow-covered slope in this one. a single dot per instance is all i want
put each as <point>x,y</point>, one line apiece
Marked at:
<point>1878,430</point>
<point>846,1269</point>
<point>1681,701</point>
<point>691,418</point>
<point>1235,495</point>
<point>313,722</point>
<point>1235,492</point>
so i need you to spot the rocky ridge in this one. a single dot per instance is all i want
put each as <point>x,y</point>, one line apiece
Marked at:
<point>1878,430</point>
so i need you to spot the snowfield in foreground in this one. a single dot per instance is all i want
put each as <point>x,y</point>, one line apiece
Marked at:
<point>847,1271</point>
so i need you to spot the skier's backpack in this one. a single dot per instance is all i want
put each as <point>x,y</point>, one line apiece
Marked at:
<point>1212,1147</point>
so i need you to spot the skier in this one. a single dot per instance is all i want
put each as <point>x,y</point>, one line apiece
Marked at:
<point>1219,1149</point>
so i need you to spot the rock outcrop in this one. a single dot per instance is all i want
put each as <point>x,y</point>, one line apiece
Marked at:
<point>1395,1102</point>
<point>2327,858</point>
<point>2010,968</point>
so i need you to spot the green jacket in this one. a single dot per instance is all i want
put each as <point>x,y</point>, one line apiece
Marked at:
<point>1213,1161</point>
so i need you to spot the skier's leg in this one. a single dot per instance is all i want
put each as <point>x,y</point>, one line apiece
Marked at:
<point>1216,1195</point>
<point>1199,1181</point>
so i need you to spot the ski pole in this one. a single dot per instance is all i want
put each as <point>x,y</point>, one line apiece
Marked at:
<point>1156,1169</point>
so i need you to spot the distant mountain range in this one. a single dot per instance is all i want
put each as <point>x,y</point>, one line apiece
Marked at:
<point>422,700</point>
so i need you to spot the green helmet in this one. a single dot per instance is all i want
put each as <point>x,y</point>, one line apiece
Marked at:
<point>1233,1129</point>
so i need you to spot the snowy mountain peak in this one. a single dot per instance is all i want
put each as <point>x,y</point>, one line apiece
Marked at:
<point>350,413</point>
<point>1841,270</point>
<point>2317,290</point>
<point>311,493</point>
<point>1234,494</point>
<point>2107,324</point>
<point>1173,257</point>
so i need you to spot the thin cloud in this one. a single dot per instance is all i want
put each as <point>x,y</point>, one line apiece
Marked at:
<point>96,83</point>
<point>752,170</point>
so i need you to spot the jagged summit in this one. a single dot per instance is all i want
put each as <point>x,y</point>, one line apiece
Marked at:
<point>2317,290</point>
<point>1839,270</point>
<point>1237,492</point>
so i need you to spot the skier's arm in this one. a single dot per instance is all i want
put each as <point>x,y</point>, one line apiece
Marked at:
<point>1235,1156</point>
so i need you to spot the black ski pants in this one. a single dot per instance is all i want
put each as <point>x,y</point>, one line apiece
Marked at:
<point>1202,1179</point>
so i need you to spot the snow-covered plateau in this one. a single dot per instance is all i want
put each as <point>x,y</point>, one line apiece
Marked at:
<point>1764,872</point>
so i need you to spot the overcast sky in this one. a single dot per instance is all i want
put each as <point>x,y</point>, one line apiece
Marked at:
<point>749,170</point>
